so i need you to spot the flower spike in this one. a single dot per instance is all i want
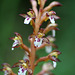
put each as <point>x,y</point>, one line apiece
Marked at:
<point>36,17</point>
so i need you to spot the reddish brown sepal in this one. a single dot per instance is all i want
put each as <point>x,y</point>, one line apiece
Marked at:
<point>53,45</point>
<point>23,15</point>
<point>55,3</point>
<point>16,65</point>
<point>12,38</point>
<point>1,69</point>
<point>53,58</point>
<point>5,64</point>
<point>58,52</point>
<point>55,28</point>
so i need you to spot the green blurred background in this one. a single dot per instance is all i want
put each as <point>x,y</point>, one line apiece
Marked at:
<point>11,22</point>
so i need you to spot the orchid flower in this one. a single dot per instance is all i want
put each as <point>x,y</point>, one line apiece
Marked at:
<point>7,69</point>
<point>30,16</point>
<point>17,40</point>
<point>23,66</point>
<point>54,57</point>
<point>52,17</point>
<point>38,40</point>
<point>22,71</point>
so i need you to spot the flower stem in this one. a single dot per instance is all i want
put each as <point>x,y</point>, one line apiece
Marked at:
<point>32,56</point>
<point>25,48</point>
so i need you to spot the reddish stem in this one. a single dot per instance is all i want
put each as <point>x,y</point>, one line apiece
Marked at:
<point>32,56</point>
<point>25,48</point>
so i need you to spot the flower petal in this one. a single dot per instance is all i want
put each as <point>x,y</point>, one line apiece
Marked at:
<point>53,33</point>
<point>55,3</point>
<point>25,57</point>
<point>38,42</point>
<point>52,19</point>
<point>14,44</point>
<point>22,71</point>
<point>54,64</point>
<point>48,49</point>
<point>5,73</point>
<point>47,67</point>
<point>27,20</point>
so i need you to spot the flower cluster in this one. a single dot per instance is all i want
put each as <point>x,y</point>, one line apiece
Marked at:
<point>38,40</point>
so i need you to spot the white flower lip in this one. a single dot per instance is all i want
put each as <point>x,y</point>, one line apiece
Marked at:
<point>52,19</point>
<point>16,42</point>
<point>54,64</point>
<point>38,42</point>
<point>25,57</point>
<point>27,20</point>
<point>47,67</point>
<point>22,71</point>
<point>48,49</point>
<point>53,33</point>
<point>5,73</point>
